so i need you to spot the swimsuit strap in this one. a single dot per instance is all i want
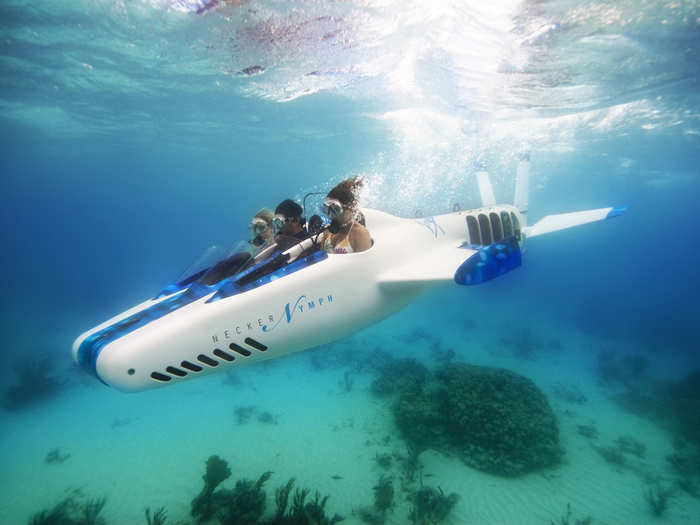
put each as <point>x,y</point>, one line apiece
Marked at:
<point>344,245</point>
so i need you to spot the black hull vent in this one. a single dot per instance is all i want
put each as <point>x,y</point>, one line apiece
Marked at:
<point>255,344</point>
<point>209,361</point>
<point>223,355</point>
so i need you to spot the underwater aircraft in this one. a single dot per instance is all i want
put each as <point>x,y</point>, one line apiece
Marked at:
<point>244,310</point>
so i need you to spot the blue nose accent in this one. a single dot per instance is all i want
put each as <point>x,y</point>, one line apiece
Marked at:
<point>490,262</point>
<point>90,348</point>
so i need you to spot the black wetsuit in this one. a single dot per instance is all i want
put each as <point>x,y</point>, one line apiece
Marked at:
<point>226,268</point>
<point>284,242</point>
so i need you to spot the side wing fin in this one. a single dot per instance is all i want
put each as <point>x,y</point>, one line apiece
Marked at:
<point>434,266</point>
<point>552,223</point>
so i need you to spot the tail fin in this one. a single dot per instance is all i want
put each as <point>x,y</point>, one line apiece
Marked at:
<point>521,184</point>
<point>485,189</point>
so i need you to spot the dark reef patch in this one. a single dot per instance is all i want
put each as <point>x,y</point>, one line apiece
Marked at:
<point>72,511</point>
<point>245,503</point>
<point>493,419</point>
<point>55,456</point>
<point>399,375</point>
<point>430,505</point>
<point>35,384</point>
<point>522,343</point>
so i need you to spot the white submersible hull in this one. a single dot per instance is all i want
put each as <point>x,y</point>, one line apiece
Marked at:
<point>303,297</point>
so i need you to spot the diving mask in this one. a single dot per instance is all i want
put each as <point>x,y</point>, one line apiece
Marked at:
<point>258,226</point>
<point>280,220</point>
<point>332,208</point>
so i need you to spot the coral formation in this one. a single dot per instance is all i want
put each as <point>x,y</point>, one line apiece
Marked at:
<point>267,418</point>
<point>383,495</point>
<point>362,358</point>
<point>566,520</point>
<point>629,445</point>
<point>430,506</point>
<point>495,420</point>
<point>688,485</point>
<point>282,498</point>
<point>304,512</point>
<point>685,459</point>
<point>55,456</point>
<point>684,397</point>
<point>369,516</point>
<point>568,393</point>
<point>410,464</point>
<point>56,516</point>
<point>615,370</point>
<point>383,460</point>
<point>347,382</point>
<point>245,503</point>
<point>243,414</point>
<point>612,455</point>
<point>522,343</point>
<point>35,384</point>
<point>71,511</point>
<point>399,375</point>
<point>91,512</point>
<point>159,517</point>
<point>657,498</point>
<point>121,422</point>
<point>207,503</point>
<point>589,431</point>
<point>673,405</point>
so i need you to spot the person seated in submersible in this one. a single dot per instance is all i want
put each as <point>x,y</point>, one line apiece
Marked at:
<point>291,230</point>
<point>346,233</point>
<point>291,240</point>
<point>289,224</point>
<point>262,230</point>
<point>262,234</point>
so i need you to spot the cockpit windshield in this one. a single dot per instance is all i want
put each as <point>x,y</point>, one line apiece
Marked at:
<point>246,267</point>
<point>245,263</point>
<point>235,260</point>
<point>195,270</point>
<point>283,257</point>
<point>201,264</point>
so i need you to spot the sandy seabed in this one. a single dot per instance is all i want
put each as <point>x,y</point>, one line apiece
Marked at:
<point>149,449</point>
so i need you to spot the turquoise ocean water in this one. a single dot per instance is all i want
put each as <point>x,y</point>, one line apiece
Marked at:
<point>135,134</point>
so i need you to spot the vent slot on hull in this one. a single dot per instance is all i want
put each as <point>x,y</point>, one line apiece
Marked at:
<point>223,355</point>
<point>160,377</point>
<point>239,350</point>
<point>485,226</point>
<point>191,366</point>
<point>255,344</point>
<point>473,227</point>
<point>203,358</point>
<point>176,371</point>
<point>496,227</point>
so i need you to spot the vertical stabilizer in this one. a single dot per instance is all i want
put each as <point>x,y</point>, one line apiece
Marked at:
<point>521,184</point>
<point>487,198</point>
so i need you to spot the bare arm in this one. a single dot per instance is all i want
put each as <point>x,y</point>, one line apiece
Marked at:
<point>360,239</point>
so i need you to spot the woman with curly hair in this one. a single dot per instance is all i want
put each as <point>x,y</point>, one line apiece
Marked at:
<point>345,234</point>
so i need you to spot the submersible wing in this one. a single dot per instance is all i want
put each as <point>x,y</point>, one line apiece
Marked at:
<point>304,297</point>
